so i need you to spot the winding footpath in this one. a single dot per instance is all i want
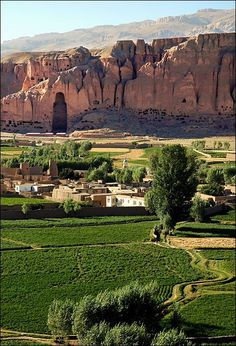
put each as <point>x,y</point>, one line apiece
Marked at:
<point>185,292</point>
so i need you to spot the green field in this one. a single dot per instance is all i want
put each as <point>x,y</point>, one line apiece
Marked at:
<point>22,200</point>
<point>31,279</point>
<point>215,153</point>
<point>150,151</point>
<point>213,312</point>
<point>227,216</point>
<point>196,229</point>
<point>210,315</point>
<point>58,236</point>
<point>106,154</point>
<point>10,152</point>
<point>74,222</point>
<point>86,256</point>
<point>224,259</point>
<point>21,343</point>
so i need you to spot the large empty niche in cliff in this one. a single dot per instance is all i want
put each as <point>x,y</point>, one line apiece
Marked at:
<point>59,120</point>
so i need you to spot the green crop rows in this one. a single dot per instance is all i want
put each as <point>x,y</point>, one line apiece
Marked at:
<point>195,229</point>
<point>210,315</point>
<point>32,279</point>
<point>108,256</point>
<point>22,200</point>
<point>58,236</point>
<point>73,222</point>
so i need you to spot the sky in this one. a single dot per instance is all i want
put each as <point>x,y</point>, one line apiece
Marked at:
<point>29,18</point>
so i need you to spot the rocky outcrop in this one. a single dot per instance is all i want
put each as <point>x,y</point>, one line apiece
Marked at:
<point>177,76</point>
<point>12,77</point>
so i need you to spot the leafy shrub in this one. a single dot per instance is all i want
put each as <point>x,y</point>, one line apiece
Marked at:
<point>126,335</point>
<point>60,317</point>
<point>213,189</point>
<point>96,335</point>
<point>171,337</point>
<point>66,173</point>
<point>25,208</point>
<point>132,303</point>
<point>215,176</point>
<point>69,206</point>
<point>229,172</point>
<point>197,211</point>
<point>199,145</point>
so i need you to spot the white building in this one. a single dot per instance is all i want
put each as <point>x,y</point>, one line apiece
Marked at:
<point>124,201</point>
<point>23,188</point>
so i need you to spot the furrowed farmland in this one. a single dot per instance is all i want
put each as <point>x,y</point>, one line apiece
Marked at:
<point>70,258</point>
<point>33,278</point>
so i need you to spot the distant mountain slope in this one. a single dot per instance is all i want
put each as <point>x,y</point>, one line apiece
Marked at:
<point>203,21</point>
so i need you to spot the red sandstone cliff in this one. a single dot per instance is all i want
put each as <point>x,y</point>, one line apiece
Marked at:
<point>176,76</point>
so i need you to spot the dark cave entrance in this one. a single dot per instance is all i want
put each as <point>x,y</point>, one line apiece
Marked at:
<point>59,120</point>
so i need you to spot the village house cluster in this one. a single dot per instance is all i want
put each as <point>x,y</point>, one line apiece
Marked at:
<point>33,182</point>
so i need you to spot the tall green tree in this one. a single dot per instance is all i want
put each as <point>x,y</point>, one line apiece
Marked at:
<point>175,181</point>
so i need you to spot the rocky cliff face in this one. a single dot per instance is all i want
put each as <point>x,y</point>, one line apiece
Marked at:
<point>179,76</point>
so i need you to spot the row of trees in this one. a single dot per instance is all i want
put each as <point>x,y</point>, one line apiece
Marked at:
<point>68,151</point>
<point>123,176</point>
<point>216,179</point>
<point>125,316</point>
<point>201,144</point>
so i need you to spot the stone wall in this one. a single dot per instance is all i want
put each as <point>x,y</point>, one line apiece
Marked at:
<point>14,212</point>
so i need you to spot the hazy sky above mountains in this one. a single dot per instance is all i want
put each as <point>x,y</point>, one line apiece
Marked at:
<point>29,18</point>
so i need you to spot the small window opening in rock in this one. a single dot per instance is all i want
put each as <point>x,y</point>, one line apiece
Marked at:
<point>184,100</point>
<point>32,78</point>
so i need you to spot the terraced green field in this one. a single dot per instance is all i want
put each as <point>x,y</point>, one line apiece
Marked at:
<point>70,258</point>
<point>73,222</point>
<point>227,216</point>
<point>68,236</point>
<point>22,200</point>
<point>196,229</point>
<point>210,315</point>
<point>31,279</point>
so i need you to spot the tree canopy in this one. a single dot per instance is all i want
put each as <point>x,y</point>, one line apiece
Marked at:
<point>175,181</point>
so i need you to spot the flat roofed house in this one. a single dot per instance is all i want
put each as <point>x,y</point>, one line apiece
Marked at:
<point>129,201</point>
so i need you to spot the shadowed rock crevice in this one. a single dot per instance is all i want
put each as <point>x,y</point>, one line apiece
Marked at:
<point>59,122</point>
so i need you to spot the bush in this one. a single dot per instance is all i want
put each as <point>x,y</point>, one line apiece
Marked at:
<point>199,145</point>
<point>127,335</point>
<point>197,211</point>
<point>96,335</point>
<point>66,173</point>
<point>215,176</point>
<point>60,318</point>
<point>132,303</point>
<point>171,337</point>
<point>213,189</point>
<point>69,206</point>
<point>25,208</point>
<point>229,172</point>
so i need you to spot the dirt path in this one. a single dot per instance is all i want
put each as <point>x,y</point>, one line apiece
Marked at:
<point>185,292</point>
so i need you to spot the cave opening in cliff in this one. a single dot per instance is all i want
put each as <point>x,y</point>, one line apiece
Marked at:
<point>59,120</point>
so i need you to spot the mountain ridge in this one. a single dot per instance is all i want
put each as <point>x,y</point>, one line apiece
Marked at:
<point>97,37</point>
